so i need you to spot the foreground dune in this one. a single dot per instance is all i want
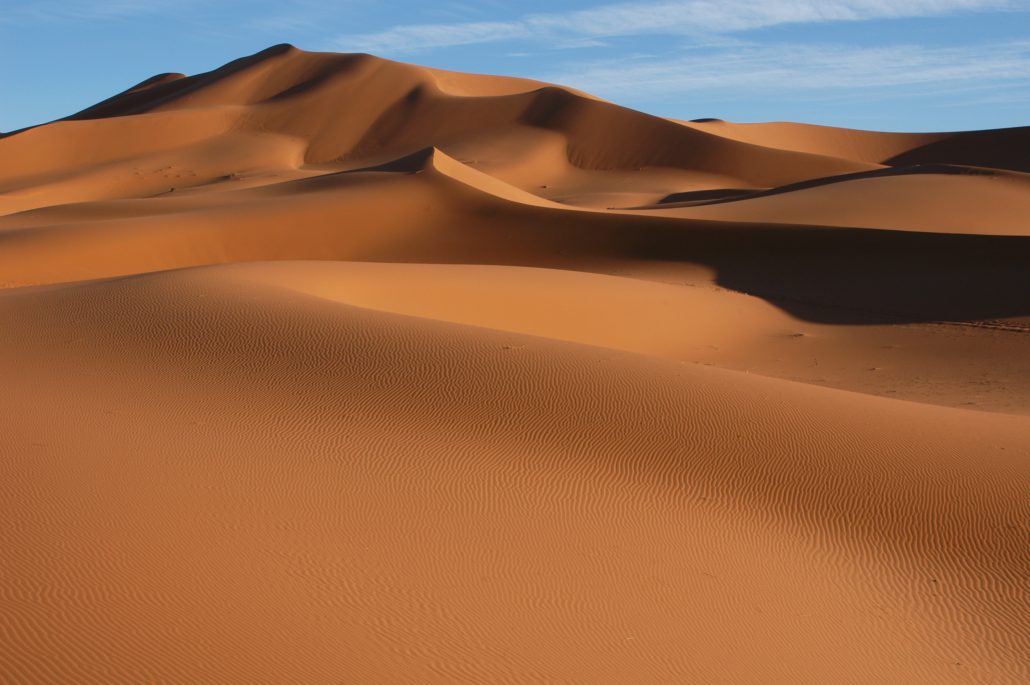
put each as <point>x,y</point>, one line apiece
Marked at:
<point>323,368</point>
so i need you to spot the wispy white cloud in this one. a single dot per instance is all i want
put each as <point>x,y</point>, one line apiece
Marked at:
<point>423,36</point>
<point>670,17</point>
<point>811,70</point>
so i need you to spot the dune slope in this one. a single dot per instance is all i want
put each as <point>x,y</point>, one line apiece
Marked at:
<point>415,500</point>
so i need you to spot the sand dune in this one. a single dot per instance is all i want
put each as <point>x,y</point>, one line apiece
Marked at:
<point>963,201</point>
<point>324,368</point>
<point>870,146</point>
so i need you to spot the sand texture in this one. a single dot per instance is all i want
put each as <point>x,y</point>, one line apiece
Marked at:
<point>322,368</point>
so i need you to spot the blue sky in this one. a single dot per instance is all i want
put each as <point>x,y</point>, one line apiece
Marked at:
<point>878,64</point>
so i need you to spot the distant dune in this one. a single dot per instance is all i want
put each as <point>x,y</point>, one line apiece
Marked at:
<point>323,368</point>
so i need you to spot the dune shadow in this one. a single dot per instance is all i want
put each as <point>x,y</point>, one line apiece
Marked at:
<point>724,195</point>
<point>860,276</point>
<point>1003,148</point>
<point>815,273</point>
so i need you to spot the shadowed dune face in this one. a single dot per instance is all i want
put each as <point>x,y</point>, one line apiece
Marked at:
<point>1004,149</point>
<point>324,368</point>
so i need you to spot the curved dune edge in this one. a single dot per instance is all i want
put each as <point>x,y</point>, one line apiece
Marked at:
<point>379,493</point>
<point>462,173</point>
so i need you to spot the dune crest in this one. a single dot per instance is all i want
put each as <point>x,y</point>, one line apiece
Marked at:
<point>326,368</point>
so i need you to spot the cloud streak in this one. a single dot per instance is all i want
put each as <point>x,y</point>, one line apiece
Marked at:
<point>818,70</point>
<point>683,17</point>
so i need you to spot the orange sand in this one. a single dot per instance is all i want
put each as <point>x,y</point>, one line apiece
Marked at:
<point>323,368</point>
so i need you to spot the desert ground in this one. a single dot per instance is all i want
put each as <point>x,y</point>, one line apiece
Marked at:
<point>323,368</point>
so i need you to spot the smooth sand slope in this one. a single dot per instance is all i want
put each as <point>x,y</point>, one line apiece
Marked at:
<point>323,368</point>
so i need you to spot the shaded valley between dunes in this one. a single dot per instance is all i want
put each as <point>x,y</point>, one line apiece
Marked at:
<point>323,368</point>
